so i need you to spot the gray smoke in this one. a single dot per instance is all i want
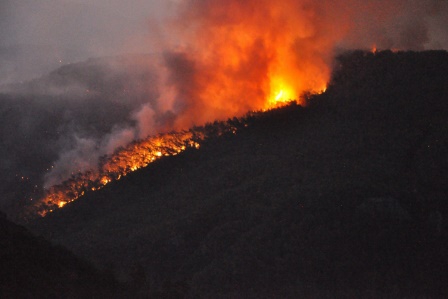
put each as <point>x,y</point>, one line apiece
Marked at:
<point>104,105</point>
<point>38,36</point>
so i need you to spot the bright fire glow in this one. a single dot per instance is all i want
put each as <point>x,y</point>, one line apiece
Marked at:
<point>246,56</point>
<point>134,156</point>
<point>229,57</point>
<point>281,94</point>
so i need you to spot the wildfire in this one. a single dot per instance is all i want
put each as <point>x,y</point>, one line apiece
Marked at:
<point>229,58</point>
<point>244,56</point>
<point>135,156</point>
<point>281,94</point>
<point>62,203</point>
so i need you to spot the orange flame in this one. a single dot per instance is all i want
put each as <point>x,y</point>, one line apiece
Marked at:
<point>240,56</point>
<point>135,156</point>
<point>230,59</point>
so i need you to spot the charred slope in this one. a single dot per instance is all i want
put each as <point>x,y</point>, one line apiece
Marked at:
<point>346,197</point>
<point>33,268</point>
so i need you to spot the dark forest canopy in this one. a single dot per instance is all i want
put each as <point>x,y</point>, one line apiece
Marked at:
<point>344,197</point>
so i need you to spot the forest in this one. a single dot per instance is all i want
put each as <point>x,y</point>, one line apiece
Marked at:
<point>344,196</point>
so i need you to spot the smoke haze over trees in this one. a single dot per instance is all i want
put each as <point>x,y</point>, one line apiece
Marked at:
<point>36,35</point>
<point>343,198</point>
<point>347,194</point>
<point>210,60</point>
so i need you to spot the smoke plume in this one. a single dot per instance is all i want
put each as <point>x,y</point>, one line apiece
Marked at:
<point>214,59</point>
<point>228,57</point>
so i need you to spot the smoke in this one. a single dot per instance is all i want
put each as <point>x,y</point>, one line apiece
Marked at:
<point>228,57</point>
<point>404,25</point>
<point>38,36</point>
<point>83,154</point>
<point>214,59</point>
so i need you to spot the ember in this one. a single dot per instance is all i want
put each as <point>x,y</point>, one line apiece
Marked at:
<point>136,155</point>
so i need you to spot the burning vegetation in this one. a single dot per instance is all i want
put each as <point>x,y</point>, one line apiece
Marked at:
<point>232,57</point>
<point>221,59</point>
<point>223,65</point>
<point>136,155</point>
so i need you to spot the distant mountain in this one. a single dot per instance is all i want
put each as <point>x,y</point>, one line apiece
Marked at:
<point>344,198</point>
<point>23,62</point>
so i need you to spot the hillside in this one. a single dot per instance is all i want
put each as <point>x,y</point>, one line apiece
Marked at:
<point>33,268</point>
<point>346,197</point>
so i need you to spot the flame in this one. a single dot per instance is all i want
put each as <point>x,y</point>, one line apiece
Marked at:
<point>227,58</point>
<point>240,56</point>
<point>281,94</point>
<point>135,156</point>
<point>224,58</point>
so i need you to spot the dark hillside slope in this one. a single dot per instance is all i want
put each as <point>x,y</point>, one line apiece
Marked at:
<point>344,198</point>
<point>33,268</point>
